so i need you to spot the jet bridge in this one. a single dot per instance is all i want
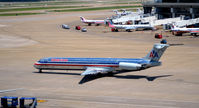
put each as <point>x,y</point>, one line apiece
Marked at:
<point>184,23</point>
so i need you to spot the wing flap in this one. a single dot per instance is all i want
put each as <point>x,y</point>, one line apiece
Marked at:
<point>96,70</point>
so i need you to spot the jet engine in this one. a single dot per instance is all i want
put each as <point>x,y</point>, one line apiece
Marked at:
<point>129,66</point>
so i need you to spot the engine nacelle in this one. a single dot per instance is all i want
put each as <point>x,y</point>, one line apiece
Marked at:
<point>129,66</point>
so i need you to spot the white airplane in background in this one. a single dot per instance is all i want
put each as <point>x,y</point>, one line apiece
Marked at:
<point>90,22</point>
<point>123,13</point>
<point>179,31</point>
<point>129,27</point>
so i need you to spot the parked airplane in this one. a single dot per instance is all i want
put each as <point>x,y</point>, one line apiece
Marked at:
<point>129,27</point>
<point>123,13</point>
<point>90,22</point>
<point>179,31</point>
<point>93,66</point>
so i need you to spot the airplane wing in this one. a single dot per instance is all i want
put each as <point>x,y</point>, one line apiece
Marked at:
<point>96,70</point>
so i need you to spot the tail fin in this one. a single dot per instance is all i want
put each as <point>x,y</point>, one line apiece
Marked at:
<point>82,19</point>
<point>156,52</point>
<point>116,12</point>
<point>173,27</point>
<point>110,24</point>
<point>139,10</point>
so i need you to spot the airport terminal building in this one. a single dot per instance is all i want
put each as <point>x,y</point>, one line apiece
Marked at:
<point>172,8</point>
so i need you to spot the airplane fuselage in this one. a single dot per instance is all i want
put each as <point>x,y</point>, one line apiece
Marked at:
<point>180,31</point>
<point>60,63</point>
<point>94,21</point>
<point>93,66</point>
<point>131,26</point>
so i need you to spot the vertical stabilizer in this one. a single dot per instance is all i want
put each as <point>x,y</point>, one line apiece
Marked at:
<point>82,19</point>
<point>110,24</point>
<point>157,51</point>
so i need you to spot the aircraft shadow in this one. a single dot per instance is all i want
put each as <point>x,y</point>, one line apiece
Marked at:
<point>148,78</point>
<point>94,77</point>
<point>89,78</point>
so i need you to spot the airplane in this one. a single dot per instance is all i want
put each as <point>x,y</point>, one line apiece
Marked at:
<point>177,31</point>
<point>129,27</point>
<point>90,22</point>
<point>96,66</point>
<point>123,13</point>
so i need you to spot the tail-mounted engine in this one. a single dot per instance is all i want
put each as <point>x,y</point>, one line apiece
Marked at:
<point>129,66</point>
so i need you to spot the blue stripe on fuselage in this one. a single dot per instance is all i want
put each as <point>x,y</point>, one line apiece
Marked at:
<point>111,61</point>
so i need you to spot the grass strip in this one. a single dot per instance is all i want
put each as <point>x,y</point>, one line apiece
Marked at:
<point>19,14</point>
<point>37,8</point>
<point>94,9</point>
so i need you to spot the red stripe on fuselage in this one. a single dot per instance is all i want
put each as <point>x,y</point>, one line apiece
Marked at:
<point>78,65</point>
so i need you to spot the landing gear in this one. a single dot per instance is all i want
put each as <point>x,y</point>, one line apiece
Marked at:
<point>114,30</point>
<point>194,34</point>
<point>40,70</point>
<point>89,24</point>
<point>178,34</point>
<point>110,74</point>
<point>97,24</point>
<point>128,30</point>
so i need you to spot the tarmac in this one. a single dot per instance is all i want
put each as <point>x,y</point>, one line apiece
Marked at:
<point>26,39</point>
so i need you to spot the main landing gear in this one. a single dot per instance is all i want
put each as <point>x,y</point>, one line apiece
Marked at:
<point>40,70</point>
<point>89,24</point>
<point>114,30</point>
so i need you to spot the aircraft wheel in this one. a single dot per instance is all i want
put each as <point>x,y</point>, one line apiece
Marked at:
<point>116,30</point>
<point>110,74</point>
<point>40,70</point>
<point>89,24</point>
<point>113,30</point>
<point>128,30</point>
<point>180,34</point>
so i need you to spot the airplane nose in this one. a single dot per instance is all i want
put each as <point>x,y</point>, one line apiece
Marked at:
<point>36,65</point>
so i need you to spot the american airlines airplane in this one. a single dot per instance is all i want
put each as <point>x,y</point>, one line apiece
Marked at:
<point>89,22</point>
<point>129,27</point>
<point>179,31</point>
<point>94,66</point>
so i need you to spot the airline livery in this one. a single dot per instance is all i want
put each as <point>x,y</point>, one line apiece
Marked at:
<point>129,27</point>
<point>179,31</point>
<point>89,22</point>
<point>93,66</point>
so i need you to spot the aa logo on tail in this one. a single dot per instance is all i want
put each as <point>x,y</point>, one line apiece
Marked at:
<point>153,54</point>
